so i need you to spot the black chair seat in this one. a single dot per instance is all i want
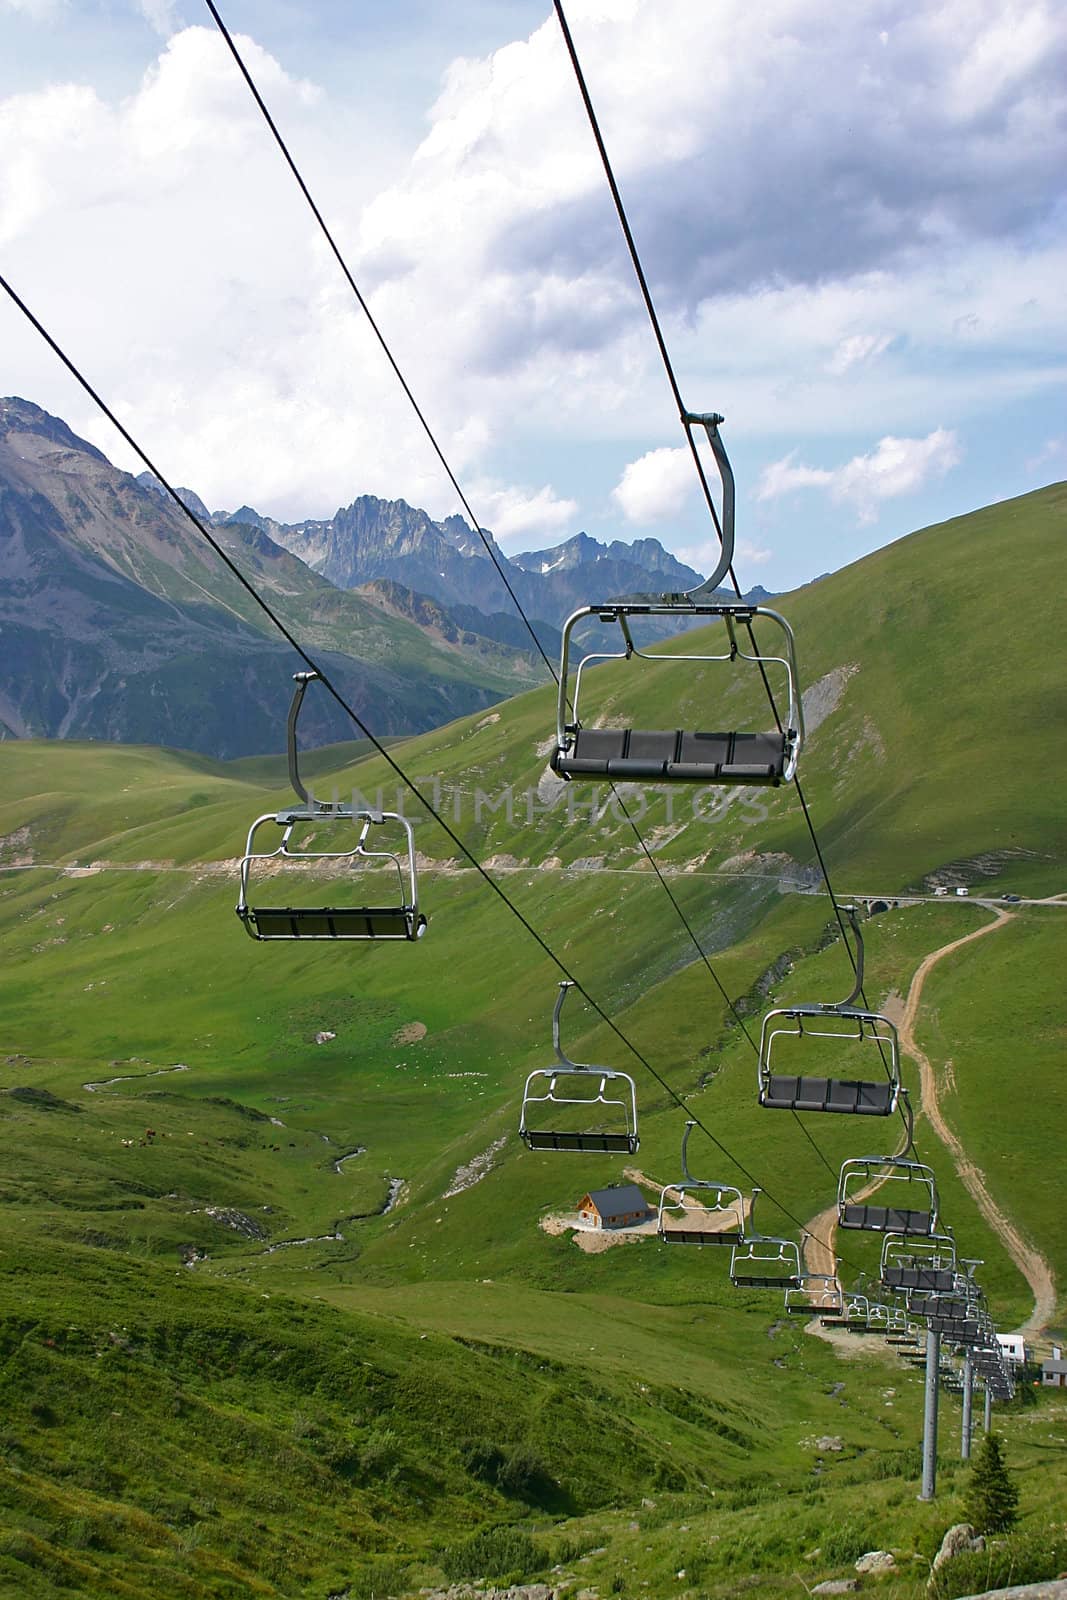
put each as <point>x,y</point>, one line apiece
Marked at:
<point>673,756</point>
<point>848,1095</point>
<point>924,1280</point>
<point>700,1236</point>
<point>885,1219</point>
<point>605,1143</point>
<point>757,1281</point>
<point>340,922</point>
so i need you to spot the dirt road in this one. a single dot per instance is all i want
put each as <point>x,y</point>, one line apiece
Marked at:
<point>819,1256</point>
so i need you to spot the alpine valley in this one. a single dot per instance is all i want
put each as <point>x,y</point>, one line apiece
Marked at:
<point>287,1309</point>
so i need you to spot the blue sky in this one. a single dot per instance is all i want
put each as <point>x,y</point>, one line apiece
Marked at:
<point>853,221</point>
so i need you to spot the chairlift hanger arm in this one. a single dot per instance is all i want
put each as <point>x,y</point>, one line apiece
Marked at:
<point>565,986</point>
<point>710,421</point>
<point>301,679</point>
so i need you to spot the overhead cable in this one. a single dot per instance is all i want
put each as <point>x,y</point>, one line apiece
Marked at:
<point>268,610</point>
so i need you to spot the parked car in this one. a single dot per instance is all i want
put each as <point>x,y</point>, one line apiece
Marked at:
<point>962,892</point>
<point>1012,899</point>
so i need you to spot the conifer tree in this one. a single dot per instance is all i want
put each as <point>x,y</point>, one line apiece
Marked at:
<point>991,1502</point>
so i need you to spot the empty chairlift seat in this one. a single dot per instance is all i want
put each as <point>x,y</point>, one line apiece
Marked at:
<point>698,1211</point>
<point>398,918</point>
<point>796,1039</point>
<point>350,912</point>
<point>685,755</point>
<point>917,1267</point>
<point>633,755</point>
<point>818,1295</point>
<point>571,1106</point>
<point>885,1194</point>
<point>761,1262</point>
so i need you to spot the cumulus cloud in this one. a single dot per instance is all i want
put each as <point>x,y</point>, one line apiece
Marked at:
<point>890,260</point>
<point>655,486</point>
<point>514,513</point>
<point>894,467</point>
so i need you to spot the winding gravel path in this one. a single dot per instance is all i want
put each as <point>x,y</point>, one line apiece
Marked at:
<point>819,1255</point>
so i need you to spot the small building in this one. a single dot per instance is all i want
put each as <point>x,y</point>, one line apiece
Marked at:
<point>1054,1374</point>
<point>618,1207</point>
<point>1012,1348</point>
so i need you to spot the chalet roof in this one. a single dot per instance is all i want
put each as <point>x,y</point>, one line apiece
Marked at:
<point>1054,1368</point>
<point>618,1200</point>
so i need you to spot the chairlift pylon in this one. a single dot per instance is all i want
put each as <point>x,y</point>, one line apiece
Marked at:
<point>696,1200</point>
<point>675,755</point>
<point>398,918</point>
<point>562,1084</point>
<point>841,1023</point>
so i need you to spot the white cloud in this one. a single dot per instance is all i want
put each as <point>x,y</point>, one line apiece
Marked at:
<point>913,278</point>
<point>704,557</point>
<point>895,467</point>
<point>656,486</point>
<point>856,350</point>
<point>514,513</point>
<point>160,15</point>
<point>1053,450</point>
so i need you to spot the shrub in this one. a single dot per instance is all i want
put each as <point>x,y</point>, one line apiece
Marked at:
<point>1020,1559</point>
<point>516,1472</point>
<point>493,1553</point>
<point>845,1543</point>
<point>991,1503</point>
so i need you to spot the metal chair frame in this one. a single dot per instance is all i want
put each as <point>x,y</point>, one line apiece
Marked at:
<point>762,1251</point>
<point>699,602</point>
<point>817,1294</point>
<point>915,1265</point>
<point>400,919</point>
<point>721,1197</point>
<point>790,1092</point>
<point>572,1073</point>
<point>860,1172</point>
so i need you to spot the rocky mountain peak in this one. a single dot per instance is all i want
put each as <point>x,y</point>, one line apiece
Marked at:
<point>22,416</point>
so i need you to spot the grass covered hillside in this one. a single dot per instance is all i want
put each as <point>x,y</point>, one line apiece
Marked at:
<point>286,1308</point>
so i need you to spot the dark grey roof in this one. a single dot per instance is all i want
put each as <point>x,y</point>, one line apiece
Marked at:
<point>1049,1368</point>
<point>619,1199</point>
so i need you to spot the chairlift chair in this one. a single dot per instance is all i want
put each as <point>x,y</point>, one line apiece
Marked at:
<point>676,755</point>
<point>697,1200</point>
<point>918,1266</point>
<point>561,1092</point>
<point>762,1262</point>
<point>397,918</point>
<point>878,1317</point>
<point>825,1027</point>
<point>817,1295</point>
<point>914,1207</point>
<point>856,1312</point>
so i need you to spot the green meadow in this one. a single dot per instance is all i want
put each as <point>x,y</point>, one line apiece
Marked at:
<point>283,1305</point>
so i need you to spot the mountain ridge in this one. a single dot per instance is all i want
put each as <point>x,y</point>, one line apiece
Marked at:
<point>119,623</point>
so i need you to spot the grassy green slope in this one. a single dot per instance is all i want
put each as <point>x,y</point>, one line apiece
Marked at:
<point>270,1139</point>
